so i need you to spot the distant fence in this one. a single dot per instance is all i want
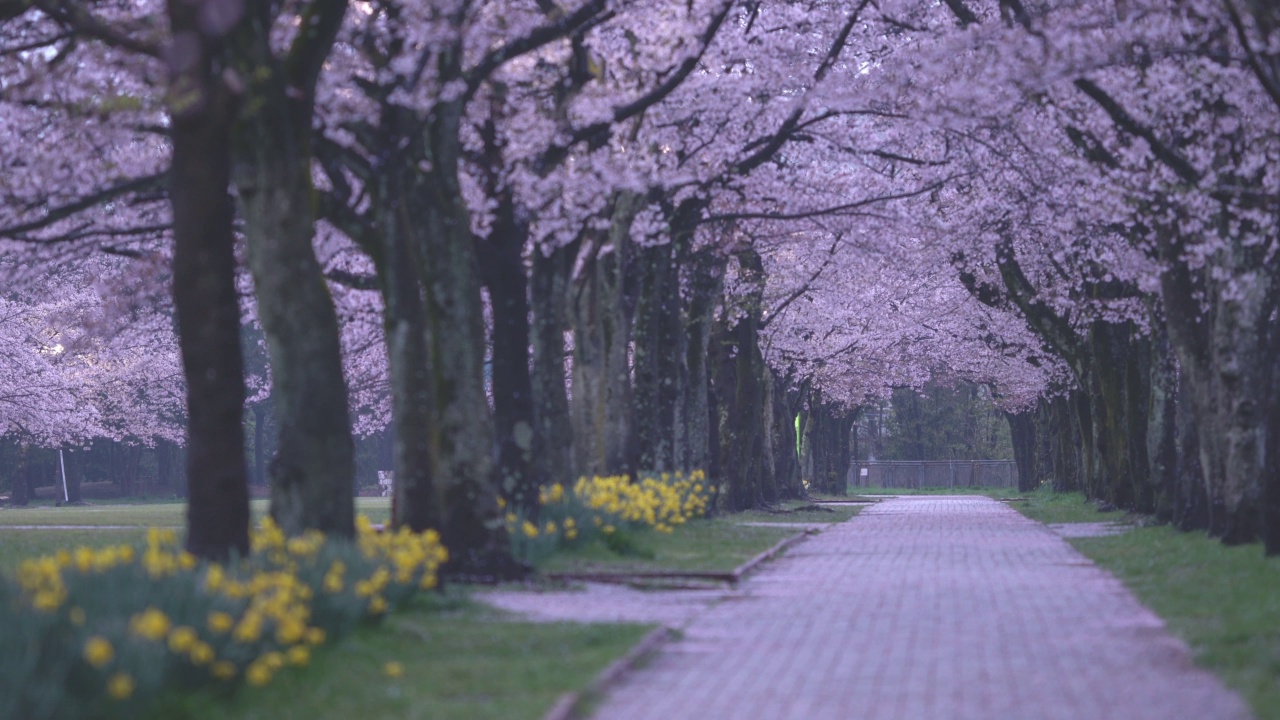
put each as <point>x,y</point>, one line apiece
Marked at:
<point>912,474</point>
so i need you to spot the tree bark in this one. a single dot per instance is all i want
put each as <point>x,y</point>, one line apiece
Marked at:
<point>602,308</point>
<point>659,351</point>
<point>516,433</point>
<point>549,385</point>
<point>741,391</point>
<point>462,434</point>
<point>208,313</point>
<point>313,471</point>
<point>705,281</point>
<point>1022,429</point>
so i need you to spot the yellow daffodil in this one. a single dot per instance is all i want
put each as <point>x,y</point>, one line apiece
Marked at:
<point>120,686</point>
<point>98,651</point>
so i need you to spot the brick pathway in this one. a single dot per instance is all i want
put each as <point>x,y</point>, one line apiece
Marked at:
<point>926,608</point>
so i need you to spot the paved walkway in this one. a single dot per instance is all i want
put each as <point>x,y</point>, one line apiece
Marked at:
<point>926,608</point>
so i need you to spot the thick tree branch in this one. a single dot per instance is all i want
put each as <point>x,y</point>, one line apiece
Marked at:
<point>77,17</point>
<point>63,212</point>
<point>1126,122</point>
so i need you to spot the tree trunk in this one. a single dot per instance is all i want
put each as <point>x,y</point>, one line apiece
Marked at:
<point>1022,429</point>
<point>1192,510</point>
<point>259,440</point>
<point>208,313</point>
<point>554,459</point>
<point>1162,425</point>
<point>1066,447</point>
<point>741,389</point>
<point>313,471</point>
<point>1219,318</point>
<point>705,281</point>
<point>414,499</point>
<point>515,431</point>
<point>602,310</point>
<point>462,435</point>
<point>659,350</point>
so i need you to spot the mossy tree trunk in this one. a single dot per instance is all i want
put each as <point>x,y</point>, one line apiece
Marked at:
<point>601,312</point>
<point>313,471</point>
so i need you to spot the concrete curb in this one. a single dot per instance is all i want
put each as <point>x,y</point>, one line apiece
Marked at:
<point>570,705</point>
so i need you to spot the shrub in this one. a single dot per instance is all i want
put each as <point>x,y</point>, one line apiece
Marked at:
<point>98,633</point>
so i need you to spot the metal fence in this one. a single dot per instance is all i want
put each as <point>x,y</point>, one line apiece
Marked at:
<point>914,474</point>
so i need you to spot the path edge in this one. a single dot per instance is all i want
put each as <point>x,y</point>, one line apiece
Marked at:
<point>786,542</point>
<point>570,705</point>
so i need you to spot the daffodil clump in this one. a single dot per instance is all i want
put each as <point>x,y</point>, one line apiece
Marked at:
<point>98,632</point>
<point>601,506</point>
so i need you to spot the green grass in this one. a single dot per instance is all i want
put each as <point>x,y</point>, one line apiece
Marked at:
<point>1052,508</point>
<point>18,545</point>
<point>464,663</point>
<point>1225,602</point>
<point>717,545</point>
<point>831,515</point>
<point>148,514</point>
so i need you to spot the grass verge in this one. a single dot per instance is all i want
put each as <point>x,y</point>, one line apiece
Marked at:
<point>717,545</point>
<point>148,514</point>
<point>463,662</point>
<point>1051,508</point>
<point>1223,601</point>
<point>18,545</point>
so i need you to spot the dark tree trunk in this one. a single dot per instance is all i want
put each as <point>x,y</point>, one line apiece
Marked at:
<point>550,275</point>
<point>1271,480</point>
<point>1218,319</point>
<point>1162,426</point>
<point>462,435</point>
<point>259,440</point>
<point>1066,450</point>
<point>516,433</point>
<point>659,351</point>
<point>1192,509</point>
<point>414,500</point>
<point>313,471</point>
<point>1022,429</point>
<point>741,388</point>
<point>705,280</point>
<point>208,313</point>
<point>786,466</point>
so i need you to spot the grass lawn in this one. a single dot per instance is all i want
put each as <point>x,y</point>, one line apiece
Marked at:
<point>717,545</point>
<point>1052,508</point>
<point>148,514</point>
<point>18,545</point>
<point>465,662</point>
<point>1225,602</point>
<point>826,515</point>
